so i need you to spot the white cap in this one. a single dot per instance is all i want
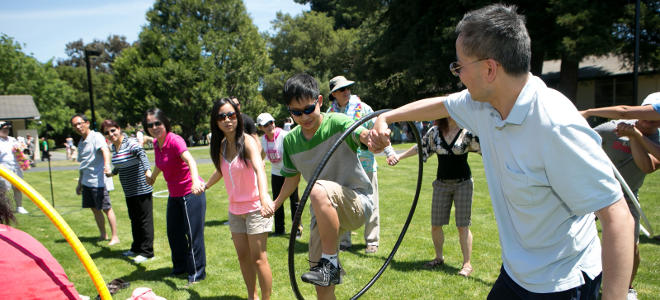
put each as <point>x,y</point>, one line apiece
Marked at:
<point>651,99</point>
<point>264,118</point>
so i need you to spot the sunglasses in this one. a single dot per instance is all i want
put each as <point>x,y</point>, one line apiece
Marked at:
<point>342,89</point>
<point>154,124</point>
<point>307,110</point>
<point>110,131</point>
<point>455,67</point>
<point>267,124</point>
<point>231,115</point>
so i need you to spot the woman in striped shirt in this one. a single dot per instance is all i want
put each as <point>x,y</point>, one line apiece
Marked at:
<point>131,163</point>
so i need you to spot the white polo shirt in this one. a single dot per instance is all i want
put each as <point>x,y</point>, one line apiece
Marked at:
<point>546,174</point>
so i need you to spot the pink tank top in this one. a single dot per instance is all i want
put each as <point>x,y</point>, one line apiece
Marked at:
<point>241,185</point>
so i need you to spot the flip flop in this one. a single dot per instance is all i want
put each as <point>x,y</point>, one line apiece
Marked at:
<point>436,262</point>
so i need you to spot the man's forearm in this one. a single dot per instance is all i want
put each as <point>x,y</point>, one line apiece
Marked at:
<point>618,244</point>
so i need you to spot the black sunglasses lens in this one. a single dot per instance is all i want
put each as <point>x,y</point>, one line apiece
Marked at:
<point>154,124</point>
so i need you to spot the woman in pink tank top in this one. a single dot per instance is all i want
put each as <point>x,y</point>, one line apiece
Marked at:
<point>237,158</point>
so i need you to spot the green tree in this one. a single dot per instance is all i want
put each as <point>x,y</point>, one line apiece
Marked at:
<point>649,44</point>
<point>190,53</point>
<point>109,50</point>
<point>308,43</point>
<point>346,13</point>
<point>24,75</point>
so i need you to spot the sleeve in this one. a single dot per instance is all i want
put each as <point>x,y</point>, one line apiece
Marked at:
<point>592,184</point>
<point>138,151</point>
<point>99,141</point>
<point>289,168</point>
<point>178,143</point>
<point>474,145</point>
<point>344,122</point>
<point>367,110</point>
<point>463,110</point>
<point>428,147</point>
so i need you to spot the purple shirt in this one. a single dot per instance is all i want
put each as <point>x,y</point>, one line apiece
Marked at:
<point>175,170</point>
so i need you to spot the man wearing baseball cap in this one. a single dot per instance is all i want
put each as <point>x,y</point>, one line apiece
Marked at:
<point>8,160</point>
<point>351,105</point>
<point>271,147</point>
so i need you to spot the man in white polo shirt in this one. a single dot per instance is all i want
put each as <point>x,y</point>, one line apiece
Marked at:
<point>547,173</point>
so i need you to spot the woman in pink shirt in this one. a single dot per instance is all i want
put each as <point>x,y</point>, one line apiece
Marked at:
<point>237,158</point>
<point>186,205</point>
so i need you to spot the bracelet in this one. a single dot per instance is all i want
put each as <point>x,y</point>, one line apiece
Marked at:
<point>389,151</point>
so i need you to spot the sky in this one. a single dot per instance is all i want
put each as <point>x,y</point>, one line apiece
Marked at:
<point>44,27</point>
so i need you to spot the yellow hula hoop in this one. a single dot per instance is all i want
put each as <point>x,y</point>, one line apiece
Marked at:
<point>63,227</point>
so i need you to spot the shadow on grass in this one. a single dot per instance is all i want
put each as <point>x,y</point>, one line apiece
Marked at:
<point>215,223</point>
<point>195,295</point>
<point>417,265</point>
<point>646,240</point>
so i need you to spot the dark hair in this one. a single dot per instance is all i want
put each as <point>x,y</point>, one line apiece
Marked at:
<point>218,135</point>
<point>82,116</point>
<point>158,114</point>
<point>300,87</point>
<point>6,214</point>
<point>108,123</point>
<point>498,32</point>
<point>442,124</point>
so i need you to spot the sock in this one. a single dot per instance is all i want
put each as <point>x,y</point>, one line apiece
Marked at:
<point>332,258</point>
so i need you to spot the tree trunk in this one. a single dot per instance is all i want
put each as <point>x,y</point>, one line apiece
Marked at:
<point>538,53</point>
<point>568,77</point>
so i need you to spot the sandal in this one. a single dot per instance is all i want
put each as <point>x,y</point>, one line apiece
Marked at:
<point>465,271</point>
<point>117,284</point>
<point>436,262</point>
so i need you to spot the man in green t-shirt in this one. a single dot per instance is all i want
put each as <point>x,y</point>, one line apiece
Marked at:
<point>341,198</point>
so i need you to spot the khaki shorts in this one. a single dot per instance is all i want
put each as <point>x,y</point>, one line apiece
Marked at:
<point>350,211</point>
<point>250,223</point>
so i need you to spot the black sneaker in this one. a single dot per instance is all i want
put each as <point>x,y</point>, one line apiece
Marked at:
<point>323,274</point>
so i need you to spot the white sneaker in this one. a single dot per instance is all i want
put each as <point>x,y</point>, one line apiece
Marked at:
<point>632,294</point>
<point>129,253</point>
<point>140,259</point>
<point>21,210</point>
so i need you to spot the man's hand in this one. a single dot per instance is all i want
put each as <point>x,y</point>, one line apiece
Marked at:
<point>379,136</point>
<point>629,130</point>
<point>79,189</point>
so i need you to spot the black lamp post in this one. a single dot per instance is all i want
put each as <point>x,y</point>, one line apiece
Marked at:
<point>88,53</point>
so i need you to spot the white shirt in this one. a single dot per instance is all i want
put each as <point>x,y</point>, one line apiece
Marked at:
<point>6,155</point>
<point>546,174</point>
<point>274,150</point>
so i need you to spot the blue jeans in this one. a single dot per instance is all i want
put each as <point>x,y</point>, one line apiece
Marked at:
<point>506,288</point>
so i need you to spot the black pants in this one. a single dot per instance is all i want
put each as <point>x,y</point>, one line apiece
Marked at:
<point>506,288</point>
<point>276,182</point>
<point>185,233</point>
<point>140,211</point>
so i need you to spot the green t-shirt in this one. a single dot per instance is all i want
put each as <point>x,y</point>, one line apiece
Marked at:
<point>303,156</point>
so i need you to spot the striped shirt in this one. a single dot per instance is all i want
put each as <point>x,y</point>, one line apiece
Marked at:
<point>131,162</point>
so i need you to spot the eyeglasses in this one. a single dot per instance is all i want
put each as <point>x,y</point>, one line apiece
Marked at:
<point>110,131</point>
<point>455,67</point>
<point>154,124</point>
<point>307,110</point>
<point>77,124</point>
<point>231,115</point>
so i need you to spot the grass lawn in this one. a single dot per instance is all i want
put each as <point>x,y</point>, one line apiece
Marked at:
<point>404,279</point>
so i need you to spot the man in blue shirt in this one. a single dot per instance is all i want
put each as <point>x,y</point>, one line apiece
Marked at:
<point>547,174</point>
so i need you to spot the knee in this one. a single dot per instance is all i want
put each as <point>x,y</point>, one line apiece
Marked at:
<point>318,194</point>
